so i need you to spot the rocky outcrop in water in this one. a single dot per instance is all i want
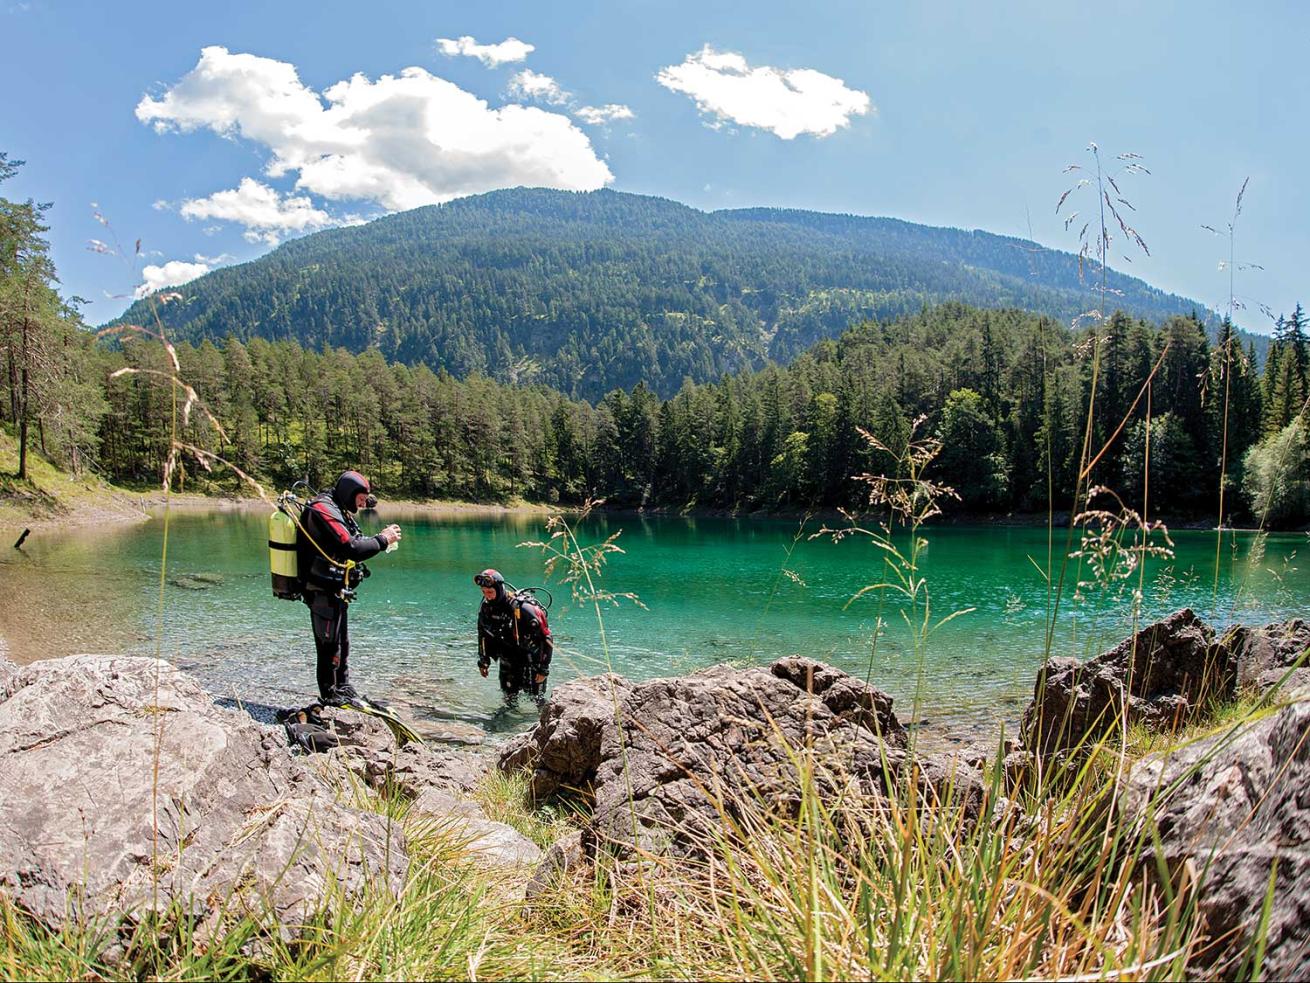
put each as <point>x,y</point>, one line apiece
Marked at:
<point>435,778</point>
<point>368,751</point>
<point>1162,677</point>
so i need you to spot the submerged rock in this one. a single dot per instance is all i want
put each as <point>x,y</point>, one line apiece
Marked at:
<point>1227,809</point>
<point>1161,678</point>
<point>196,581</point>
<point>125,786</point>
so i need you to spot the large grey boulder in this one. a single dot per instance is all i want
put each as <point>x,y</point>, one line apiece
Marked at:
<point>1162,677</point>
<point>484,841</point>
<point>1227,809</point>
<point>672,762</point>
<point>565,748</point>
<point>125,786</point>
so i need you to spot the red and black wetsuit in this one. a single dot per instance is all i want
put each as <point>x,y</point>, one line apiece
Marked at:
<point>328,519</point>
<point>515,632</point>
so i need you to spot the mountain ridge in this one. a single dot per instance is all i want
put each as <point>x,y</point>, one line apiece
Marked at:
<point>591,291</point>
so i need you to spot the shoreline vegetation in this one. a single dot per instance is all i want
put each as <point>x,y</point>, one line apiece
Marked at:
<point>54,499</point>
<point>1002,392</point>
<point>1018,402</point>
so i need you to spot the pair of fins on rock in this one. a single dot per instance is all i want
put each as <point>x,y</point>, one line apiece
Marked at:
<point>307,728</point>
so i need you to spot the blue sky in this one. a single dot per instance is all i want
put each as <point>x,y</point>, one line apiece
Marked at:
<point>212,132</point>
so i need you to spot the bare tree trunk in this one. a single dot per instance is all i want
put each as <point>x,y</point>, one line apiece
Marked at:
<point>22,422</point>
<point>22,406</point>
<point>13,384</point>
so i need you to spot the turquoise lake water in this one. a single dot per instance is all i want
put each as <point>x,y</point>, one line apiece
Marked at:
<point>714,590</point>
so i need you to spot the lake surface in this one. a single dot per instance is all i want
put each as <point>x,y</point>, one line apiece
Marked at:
<point>714,590</point>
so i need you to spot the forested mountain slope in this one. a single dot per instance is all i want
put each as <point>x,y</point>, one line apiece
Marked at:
<point>592,291</point>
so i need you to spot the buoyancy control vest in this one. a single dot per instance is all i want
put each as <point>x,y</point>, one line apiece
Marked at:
<point>517,623</point>
<point>317,546</point>
<point>323,547</point>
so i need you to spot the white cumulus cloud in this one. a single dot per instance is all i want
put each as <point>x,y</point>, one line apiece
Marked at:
<point>528,84</point>
<point>786,102</point>
<point>599,115</point>
<point>174,273</point>
<point>491,55</point>
<point>265,214</point>
<point>400,141</point>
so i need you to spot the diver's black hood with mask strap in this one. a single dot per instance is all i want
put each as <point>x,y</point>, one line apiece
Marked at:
<point>348,486</point>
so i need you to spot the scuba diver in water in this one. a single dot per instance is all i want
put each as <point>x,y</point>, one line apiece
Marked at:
<point>513,630</point>
<point>330,551</point>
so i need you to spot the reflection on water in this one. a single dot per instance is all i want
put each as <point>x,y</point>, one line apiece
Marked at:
<point>66,593</point>
<point>717,590</point>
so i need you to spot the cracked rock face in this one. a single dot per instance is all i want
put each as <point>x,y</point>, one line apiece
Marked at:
<point>669,760</point>
<point>1161,678</point>
<point>1264,656</point>
<point>1227,809</point>
<point>369,752</point>
<point>123,783</point>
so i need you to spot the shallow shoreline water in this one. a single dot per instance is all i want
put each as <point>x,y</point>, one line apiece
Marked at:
<point>718,590</point>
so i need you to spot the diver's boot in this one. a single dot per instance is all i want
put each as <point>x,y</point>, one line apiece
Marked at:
<point>345,695</point>
<point>341,695</point>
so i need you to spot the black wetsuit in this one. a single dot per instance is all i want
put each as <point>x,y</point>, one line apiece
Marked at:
<point>515,633</point>
<point>326,589</point>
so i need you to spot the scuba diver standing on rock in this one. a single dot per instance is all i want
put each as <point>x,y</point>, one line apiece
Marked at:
<point>330,551</point>
<point>512,629</point>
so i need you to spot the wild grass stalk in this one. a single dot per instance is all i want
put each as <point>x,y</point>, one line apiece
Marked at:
<point>1094,255</point>
<point>1227,364</point>
<point>909,498</point>
<point>581,567</point>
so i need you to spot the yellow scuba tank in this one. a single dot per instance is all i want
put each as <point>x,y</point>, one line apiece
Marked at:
<point>282,559</point>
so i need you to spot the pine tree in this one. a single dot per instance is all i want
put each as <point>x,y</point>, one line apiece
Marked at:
<point>1298,349</point>
<point>1285,373</point>
<point>28,305</point>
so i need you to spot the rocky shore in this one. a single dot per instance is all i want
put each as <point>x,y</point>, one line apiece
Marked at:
<point>127,789</point>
